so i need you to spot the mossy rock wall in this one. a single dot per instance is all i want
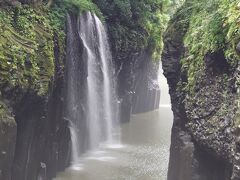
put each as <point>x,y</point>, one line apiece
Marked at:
<point>201,62</point>
<point>32,53</point>
<point>26,49</point>
<point>32,56</point>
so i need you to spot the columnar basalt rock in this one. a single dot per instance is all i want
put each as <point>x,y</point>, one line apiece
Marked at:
<point>146,96</point>
<point>43,137</point>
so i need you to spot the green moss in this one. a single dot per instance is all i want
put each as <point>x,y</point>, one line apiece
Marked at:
<point>26,49</point>
<point>57,13</point>
<point>153,18</point>
<point>82,5</point>
<point>135,25</point>
<point>218,30</point>
<point>232,27</point>
<point>28,36</point>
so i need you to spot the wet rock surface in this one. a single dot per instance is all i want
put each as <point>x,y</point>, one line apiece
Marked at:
<point>208,115</point>
<point>37,140</point>
<point>43,136</point>
<point>138,89</point>
<point>38,133</point>
<point>8,132</point>
<point>146,96</point>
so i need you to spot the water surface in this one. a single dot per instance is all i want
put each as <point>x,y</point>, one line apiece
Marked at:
<point>143,155</point>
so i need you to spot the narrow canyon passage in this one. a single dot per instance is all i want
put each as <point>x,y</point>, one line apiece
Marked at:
<point>142,155</point>
<point>119,90</point>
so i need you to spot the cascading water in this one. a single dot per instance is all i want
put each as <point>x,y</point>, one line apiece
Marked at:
<point>91,103</point>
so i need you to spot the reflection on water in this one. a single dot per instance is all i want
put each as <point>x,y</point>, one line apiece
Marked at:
<point>143,154</point>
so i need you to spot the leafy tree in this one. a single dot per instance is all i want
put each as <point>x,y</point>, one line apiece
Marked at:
<point>135,24</point>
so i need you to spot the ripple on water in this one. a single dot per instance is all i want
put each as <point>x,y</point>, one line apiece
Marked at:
<point>134,160</point>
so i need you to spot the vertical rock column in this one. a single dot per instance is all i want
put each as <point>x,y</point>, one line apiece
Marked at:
<point>8,133</point>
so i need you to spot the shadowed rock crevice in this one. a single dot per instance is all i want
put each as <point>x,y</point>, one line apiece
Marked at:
<point>43,138</point>
<point>216,63</point>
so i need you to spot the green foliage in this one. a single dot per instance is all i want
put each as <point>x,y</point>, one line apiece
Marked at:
<point>174,6</point>
<point>81,5</point>
<point>218,30</point>
<point>231,24</point>
<point>26,49</point>
<point>136,24</point>
<point>57,17</point>
<point>27,42</point>
<point>154,20</point>
<point>61,7</point>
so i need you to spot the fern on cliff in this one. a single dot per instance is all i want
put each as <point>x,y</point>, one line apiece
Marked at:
<point>135,25</point>
<point>217,31</point>
<point>26,49</point>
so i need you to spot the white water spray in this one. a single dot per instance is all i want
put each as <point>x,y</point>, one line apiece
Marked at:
<point>100,102</point>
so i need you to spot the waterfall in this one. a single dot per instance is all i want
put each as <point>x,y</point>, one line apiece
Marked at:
<point>91,103</point>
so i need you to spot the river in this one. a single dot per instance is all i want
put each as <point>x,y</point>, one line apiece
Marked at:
<point>142,155</point>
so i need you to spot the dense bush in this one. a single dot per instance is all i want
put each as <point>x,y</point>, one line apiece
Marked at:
<point>135,24</point>
<point>59,9</point>
<point>217,31</point>
<point>26,49</point>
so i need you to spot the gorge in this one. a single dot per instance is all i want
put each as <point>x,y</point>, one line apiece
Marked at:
<point>82,94</point>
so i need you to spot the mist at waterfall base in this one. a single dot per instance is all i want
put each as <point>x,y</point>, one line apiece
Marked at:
<point>145,140</point>
<point>144,153</point>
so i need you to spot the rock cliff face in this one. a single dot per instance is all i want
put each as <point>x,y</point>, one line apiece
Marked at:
<point>204,135</point>
<point>43,140</point>
<point>146,96</point>
<point>34,135</point>
<point>135,32</point>
<point>76,63</point>
<point>38,144</point>
<point>34,131</point>
<point>138,89</point>
<point>8,138</point>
